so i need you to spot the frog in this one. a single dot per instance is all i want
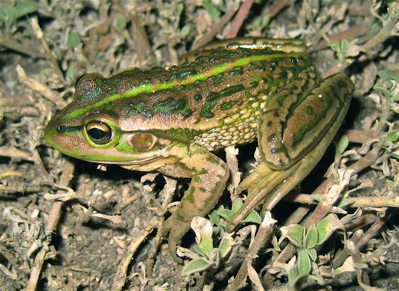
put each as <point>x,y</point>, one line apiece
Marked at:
<point>175,119</point>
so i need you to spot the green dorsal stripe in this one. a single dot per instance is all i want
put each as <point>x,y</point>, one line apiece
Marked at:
<point>151,88</point>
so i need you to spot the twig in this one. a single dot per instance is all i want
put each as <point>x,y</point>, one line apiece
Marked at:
<point>52,223</point>
<point>240,17</point>
<point>121,274</point>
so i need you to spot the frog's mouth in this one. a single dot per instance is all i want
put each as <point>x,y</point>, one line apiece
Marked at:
<point>144,161</point>
<point>143,164</point>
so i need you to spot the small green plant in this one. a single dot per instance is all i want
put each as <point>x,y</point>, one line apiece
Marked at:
<point>221,215</point>
<point>305,240</point>
<point>388,84</point>
<point>206,256</point>
<point>9,14</point>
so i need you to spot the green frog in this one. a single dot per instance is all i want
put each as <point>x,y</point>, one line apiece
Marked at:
<point>227,93</point>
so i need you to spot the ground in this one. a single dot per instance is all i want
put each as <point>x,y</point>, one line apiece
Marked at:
<point>72,225</point>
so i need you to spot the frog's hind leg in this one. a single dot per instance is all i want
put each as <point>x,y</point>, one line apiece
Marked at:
<point>271,181</point>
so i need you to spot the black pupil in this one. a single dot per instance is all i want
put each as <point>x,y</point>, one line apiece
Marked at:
<point>61,129</point>
<point>97,133</point>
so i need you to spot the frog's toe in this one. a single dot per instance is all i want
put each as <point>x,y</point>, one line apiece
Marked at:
<point>172,245</point>
<point>176,230</point>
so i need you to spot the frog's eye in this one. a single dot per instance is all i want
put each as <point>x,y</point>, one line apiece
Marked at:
<point>143,141</point>
<point>99,132</point>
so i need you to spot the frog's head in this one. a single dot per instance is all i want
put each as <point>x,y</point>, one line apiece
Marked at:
<point>97,126</point>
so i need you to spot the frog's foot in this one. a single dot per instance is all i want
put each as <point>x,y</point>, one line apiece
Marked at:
<point>265,185</point>
<point>176,228</point>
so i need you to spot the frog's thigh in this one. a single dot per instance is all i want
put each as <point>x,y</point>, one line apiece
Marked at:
<point>293,124</point>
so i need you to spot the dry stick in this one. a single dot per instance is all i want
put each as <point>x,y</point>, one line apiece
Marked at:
<point>387,30</point>
<point>263,235</point>
<point>240,17</point>
<point>356,243</point>
<point>19,47</point>
<point>12,152</point>
<point>217,27</point>
<point>122,269</point>
<point>361,221</point>
<point>53,61</point>
<point>275,8</point>
<point>361,239</point>
<point>350,33</point>
<point>143,47</point>
<point>51,225</point>
<point>375,228</point>
<point>361,136</point>
<point>370,201</point>
<point>360,165</point>
<point>49,94</point>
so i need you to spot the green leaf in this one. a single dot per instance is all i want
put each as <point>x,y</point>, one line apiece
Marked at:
<point>194,266</point>
<point>386,75</point>
<point>225,246</point>
<point>312,254</point>
<point>343,202</point>
<point>25,8</point>
<point>340,48</point>
<point>213,10</point>
<point>200,251</point>
<point>317,197</point>
<point>120,22</point>
<point>42,75</point>
<point>384,91</point>
<point>304,264</point>
<point>203,232</point>
<point>392,135</point>
<point>214,216</point>
<point>311,237</point>
<point>226,214</point>
<point>253,216</point>
<point>344,45</point>
<point>395,76</point>
<point>185,31</point>
<point>342,144</point>
<point>74,39</point>
<point>334,44</point>
<point>296,280</point>
<point>206,244</point>
<point>7,14</point>
<point>70,73</point>
<point>237,204</point>
<point>293,275</point>
<point>322,230</point>
<point>295,235</point>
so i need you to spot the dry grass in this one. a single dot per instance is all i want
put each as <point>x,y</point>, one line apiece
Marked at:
<point>100,234</point>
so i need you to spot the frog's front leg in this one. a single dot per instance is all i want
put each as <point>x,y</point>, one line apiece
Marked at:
<point>209,177</point>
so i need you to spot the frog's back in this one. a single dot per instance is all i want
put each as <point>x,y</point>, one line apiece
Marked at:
<point>214,100</point>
